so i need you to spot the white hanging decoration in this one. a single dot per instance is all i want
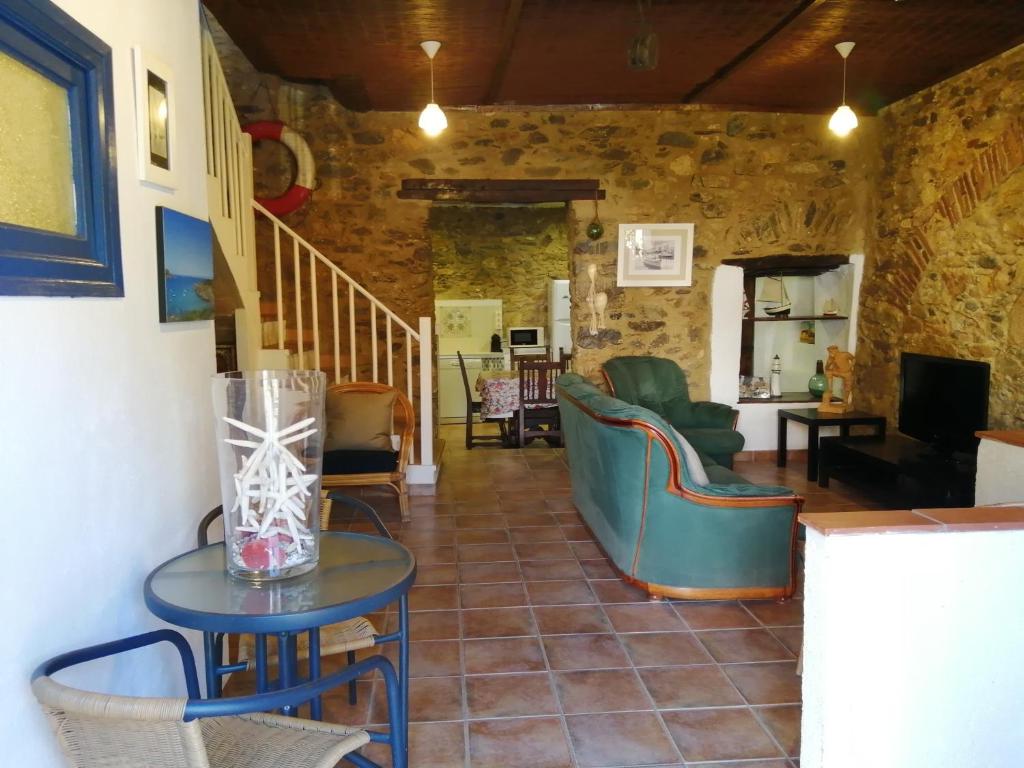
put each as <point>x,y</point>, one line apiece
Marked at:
<point>596,301</point>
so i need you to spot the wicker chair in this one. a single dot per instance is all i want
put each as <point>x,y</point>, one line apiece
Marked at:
<point>98,730</point>
<point>403,425</point>
<point>346,636</point>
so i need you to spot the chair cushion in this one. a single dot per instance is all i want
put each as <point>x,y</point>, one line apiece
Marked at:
<point>359,462</point>
<point>694,465</point>
<point>715,442</point>
<point>359,421</point>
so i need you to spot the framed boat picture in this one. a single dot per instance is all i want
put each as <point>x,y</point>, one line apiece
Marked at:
<point>655,255</point>
<point>184,248</point>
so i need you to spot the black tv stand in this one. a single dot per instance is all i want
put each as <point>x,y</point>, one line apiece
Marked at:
<point>899,470</point>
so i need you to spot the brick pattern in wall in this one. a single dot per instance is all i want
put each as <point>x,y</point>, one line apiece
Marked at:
<point>948,237</point>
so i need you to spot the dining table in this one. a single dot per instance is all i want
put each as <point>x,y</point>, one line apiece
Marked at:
<point>499,394</point>
<point>356,575</point>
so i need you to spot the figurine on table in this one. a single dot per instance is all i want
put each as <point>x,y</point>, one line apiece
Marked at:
<point>838,366</point>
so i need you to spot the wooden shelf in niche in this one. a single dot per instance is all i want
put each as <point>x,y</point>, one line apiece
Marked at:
<point>792,318</point>
<point>786,397</point>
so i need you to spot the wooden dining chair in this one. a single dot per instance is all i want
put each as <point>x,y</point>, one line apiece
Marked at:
<point>531,357</point>
<point>538,403</point>
<point>565,358</point>
<point>471,439</point>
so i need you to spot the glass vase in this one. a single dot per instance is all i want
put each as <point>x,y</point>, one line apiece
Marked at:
<point>270,429</point>
<point>817,383</point>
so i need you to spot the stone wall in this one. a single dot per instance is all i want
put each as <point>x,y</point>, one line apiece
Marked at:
<point>500,252</point>
<point>753,183</point>
<point>948,242</point>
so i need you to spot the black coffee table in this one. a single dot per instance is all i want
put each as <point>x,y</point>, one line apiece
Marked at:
<point>814,421</point>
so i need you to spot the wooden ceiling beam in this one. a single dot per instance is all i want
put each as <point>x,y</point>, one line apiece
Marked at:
<point>509,27</point>
<point>785,264</point>
<point>500,190</point>
<point>737,61</point>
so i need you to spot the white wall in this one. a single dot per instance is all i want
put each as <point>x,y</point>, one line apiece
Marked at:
<point>912,650</point>
<point>107,449</point>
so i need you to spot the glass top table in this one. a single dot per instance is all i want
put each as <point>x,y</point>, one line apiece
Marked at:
<point>357,574</point>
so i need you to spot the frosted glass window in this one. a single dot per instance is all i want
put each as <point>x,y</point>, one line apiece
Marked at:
<point>36,181</point>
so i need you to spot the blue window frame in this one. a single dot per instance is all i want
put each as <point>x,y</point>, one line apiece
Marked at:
<point>87,263</point>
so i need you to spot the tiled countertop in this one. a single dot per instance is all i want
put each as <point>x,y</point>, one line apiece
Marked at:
<point>996,518</point>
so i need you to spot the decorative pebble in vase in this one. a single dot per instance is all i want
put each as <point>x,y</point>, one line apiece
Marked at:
<point>269,427</point>
<point>817,383</point>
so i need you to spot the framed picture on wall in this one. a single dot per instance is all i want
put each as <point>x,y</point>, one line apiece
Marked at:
<point>655,255</point>
<point>59,223</point>
<point>156,135</point>
<point>184,250</point>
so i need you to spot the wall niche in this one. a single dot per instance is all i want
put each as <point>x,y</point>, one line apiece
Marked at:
<point>794,307</point>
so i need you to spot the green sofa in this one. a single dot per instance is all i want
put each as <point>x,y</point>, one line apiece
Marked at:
<point>660,385</point>
<point>661,530</point>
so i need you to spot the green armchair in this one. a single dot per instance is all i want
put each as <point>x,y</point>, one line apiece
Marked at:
<point>660,385</point>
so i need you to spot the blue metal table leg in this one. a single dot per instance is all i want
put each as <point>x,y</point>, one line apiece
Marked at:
<point>261,664</point>
<point>286,664</point>
<point>403,678</point>
<point>352,690</point>
<point>213,690</point>
<point>316,704</point>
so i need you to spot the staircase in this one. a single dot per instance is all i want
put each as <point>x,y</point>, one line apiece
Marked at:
<point>299,309</point>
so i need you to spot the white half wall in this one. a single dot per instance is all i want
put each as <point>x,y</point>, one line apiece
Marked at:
<point>912,650</point>
<point>108,456</point>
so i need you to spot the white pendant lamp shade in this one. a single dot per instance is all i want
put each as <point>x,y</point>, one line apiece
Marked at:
<point>432,119</point>
<point>843,120</point>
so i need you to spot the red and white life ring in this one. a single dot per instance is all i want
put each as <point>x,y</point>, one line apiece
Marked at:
<point>305,177</point>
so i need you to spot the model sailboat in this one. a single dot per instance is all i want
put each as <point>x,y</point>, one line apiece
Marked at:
<point>773,292</point>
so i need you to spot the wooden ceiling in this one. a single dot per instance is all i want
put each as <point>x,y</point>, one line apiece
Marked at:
<point>756,54</point>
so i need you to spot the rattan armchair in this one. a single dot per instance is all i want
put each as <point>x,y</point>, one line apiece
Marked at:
<point>392,472</point>
<point>99,730</point>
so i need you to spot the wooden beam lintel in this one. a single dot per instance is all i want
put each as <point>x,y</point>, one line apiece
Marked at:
<point>501,196</point>
<point>485,185</point>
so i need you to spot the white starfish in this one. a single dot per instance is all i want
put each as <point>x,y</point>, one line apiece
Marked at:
<point>272,485</point>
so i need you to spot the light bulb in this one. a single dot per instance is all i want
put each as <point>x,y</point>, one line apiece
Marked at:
<point>432,120</point>
<point>843,121</point>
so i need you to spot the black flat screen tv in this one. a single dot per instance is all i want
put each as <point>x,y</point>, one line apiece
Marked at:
<point>943,400</point>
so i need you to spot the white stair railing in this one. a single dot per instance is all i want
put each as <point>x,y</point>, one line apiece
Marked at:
<point>357,346</point>
<point>229,190</point>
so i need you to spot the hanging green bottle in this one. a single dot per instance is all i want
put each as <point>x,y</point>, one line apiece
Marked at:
<point>817,383</point>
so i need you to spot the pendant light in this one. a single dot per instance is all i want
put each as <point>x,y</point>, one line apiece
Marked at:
<point>843,120</point>
<point>432,119</point>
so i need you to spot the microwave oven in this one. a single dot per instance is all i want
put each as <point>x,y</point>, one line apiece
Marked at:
<point>525,337</point>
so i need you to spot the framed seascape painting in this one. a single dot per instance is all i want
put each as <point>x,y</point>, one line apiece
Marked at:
<point>184,249</point>
<point>655,255</point>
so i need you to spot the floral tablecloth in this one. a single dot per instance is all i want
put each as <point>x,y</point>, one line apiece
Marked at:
<point>499,394</point>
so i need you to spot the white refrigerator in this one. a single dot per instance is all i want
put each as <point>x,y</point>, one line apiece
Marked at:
<point>559,334</point>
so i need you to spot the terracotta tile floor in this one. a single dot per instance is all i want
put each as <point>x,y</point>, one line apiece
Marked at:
<point>527,650</point>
